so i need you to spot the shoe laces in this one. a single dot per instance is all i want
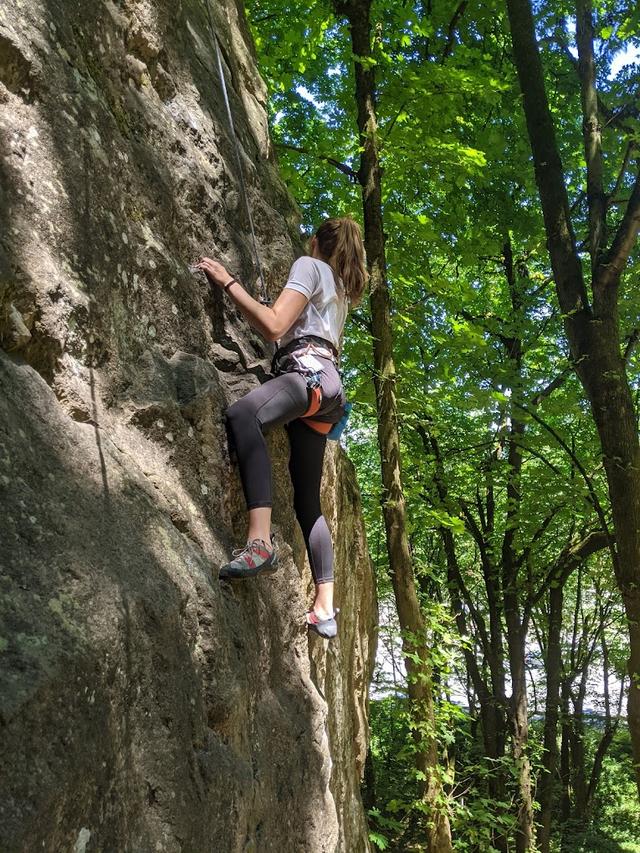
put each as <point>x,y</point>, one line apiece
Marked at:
<point>249,547</point>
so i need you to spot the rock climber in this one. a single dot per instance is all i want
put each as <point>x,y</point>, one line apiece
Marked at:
<point>307,320</point>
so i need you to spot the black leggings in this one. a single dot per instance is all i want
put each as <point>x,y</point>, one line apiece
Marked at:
<point>283,400</point>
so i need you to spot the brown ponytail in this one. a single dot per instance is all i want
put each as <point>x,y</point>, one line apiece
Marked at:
<point>340,243</point>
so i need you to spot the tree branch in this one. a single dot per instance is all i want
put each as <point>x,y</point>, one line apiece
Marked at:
<point>632,340</point>
<point>361,321</point>
<point>593,497</point>
<point>615,118</point>
<point>591,129</point>
<point>451,33</point>
<point>539,533</point>
<point>556,383</point>
<point>611,199</point>
<point>342,167</point>
<point>614,261</point>
<point>393,121</point>
<point>573,555</point>
<point>431,445</point>
<point>550,179</point>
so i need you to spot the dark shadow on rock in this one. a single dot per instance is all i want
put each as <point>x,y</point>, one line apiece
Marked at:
<point>135,703</point>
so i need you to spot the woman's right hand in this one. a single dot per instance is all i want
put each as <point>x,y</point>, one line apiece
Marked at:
<point>214,271</point>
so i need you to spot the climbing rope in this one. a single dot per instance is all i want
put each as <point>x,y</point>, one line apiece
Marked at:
<point>264,298</point>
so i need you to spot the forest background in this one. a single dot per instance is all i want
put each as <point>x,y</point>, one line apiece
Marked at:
<point>501,205</point>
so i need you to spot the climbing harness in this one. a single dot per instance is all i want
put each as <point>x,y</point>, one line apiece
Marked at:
<point>300,356</point>
<point>264,297</point>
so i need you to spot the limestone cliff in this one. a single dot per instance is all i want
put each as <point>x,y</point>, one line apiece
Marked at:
<point>145,706</point>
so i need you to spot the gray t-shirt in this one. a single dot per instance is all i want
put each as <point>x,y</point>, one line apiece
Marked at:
<point>326,311</point>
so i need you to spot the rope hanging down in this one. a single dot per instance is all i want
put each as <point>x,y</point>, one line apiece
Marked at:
<point>264,298</point>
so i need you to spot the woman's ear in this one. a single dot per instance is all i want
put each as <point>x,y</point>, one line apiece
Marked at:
<point>313,246</point>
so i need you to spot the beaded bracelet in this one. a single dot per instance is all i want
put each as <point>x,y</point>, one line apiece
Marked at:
<point>229,283</point>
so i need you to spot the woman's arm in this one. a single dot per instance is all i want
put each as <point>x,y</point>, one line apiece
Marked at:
<point>272,321</point>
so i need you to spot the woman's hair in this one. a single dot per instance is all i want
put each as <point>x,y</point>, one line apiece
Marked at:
<point>340,243</point>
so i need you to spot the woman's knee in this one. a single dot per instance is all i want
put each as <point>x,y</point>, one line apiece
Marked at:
<point>238,412</point>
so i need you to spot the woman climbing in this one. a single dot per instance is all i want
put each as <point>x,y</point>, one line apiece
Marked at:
<point>307,319</point>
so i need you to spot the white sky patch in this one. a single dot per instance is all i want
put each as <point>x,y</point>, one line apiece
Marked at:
<point>390,676</point>
<point>308,96</point>
<point>571,28</point>
<point>629,56</point>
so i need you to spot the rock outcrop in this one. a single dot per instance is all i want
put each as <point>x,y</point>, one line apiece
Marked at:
<point>144,705</point>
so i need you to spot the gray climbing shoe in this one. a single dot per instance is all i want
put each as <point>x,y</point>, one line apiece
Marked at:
<point>327,628</point>
<point>256,557</point>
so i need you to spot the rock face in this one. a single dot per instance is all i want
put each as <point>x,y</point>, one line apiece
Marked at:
<point>144,705</point>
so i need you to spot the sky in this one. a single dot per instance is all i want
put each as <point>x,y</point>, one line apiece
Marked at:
<point>629,56</point>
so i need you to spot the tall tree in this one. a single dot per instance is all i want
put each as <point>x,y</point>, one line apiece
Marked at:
<point>358,14</point>
<point>514,580</point>
<point>591,319</point>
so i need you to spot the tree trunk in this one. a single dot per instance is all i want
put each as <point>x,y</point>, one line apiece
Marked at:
<point>546,784</point>
<point>520,726</point>
<point>565,756</point>
<point>516,625</point>
<point>610,728</point>
<point>607,387</point>
<point>368,788</point>
<point>410,616</point>
<point>578,760</point>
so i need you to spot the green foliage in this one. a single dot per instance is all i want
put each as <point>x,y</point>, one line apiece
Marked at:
<point>616,812</point>
<point>616,819</point>
<point>589,841</point>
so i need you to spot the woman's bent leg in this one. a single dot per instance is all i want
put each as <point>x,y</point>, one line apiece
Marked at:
<point>275,402</point>
<point>278,401</point>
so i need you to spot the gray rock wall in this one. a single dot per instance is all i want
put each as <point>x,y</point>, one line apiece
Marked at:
<point>144,706</point>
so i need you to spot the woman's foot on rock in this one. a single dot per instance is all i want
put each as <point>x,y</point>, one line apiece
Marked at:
<point>323,624</point>
<point>257,556</point>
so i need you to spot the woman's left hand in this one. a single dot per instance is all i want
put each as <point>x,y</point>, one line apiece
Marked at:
<point>214,271</point>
